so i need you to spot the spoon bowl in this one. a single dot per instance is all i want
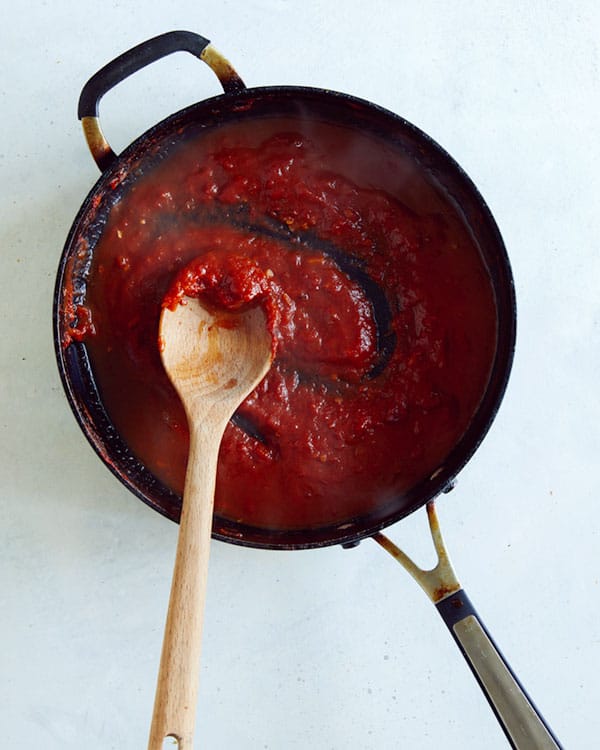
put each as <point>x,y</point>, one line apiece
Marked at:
<point>213,358</point>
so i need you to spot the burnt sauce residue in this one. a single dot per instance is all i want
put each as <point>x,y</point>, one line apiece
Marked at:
<point>385,325</point>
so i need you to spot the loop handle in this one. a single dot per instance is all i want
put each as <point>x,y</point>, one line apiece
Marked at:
<point>130,62</point>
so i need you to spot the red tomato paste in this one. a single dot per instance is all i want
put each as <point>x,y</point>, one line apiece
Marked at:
<point>383,316</point>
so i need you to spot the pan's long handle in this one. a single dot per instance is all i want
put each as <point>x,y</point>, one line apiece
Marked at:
<point>524,726</point>
<point>522,723</point>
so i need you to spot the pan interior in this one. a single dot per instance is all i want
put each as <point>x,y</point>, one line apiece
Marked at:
<point>372,154</point>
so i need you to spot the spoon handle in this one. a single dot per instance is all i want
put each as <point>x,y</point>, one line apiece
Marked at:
<point>177,687</point>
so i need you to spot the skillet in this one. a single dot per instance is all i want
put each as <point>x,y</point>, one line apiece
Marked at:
<point>522,723</point>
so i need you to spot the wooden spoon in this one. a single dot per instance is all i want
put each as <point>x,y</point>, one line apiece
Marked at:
<point>214,360</point>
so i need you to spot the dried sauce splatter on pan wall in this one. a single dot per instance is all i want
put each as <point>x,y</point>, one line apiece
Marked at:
<point>386,331</point>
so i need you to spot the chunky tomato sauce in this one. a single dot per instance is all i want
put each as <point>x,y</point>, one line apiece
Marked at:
<point>382,312</point>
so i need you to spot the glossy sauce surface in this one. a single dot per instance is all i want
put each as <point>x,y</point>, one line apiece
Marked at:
<point>383,315</point>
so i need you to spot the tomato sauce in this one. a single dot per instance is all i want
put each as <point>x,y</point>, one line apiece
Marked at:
<point>381,309</point>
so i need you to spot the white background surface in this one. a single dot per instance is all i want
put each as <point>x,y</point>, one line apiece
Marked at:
<point>324,649</point>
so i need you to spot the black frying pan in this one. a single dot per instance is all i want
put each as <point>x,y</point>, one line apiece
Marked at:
<point>522,724</point>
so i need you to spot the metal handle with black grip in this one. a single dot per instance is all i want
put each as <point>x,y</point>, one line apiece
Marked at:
<point>523,725</point>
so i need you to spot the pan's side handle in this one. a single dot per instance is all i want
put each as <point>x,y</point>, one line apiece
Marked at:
<point>132,61</point>
<point>523,725</point>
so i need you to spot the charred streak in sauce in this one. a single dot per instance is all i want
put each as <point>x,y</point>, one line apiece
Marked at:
<point>239,217</point>
<point>249,427</point>
<point>353,268</point>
